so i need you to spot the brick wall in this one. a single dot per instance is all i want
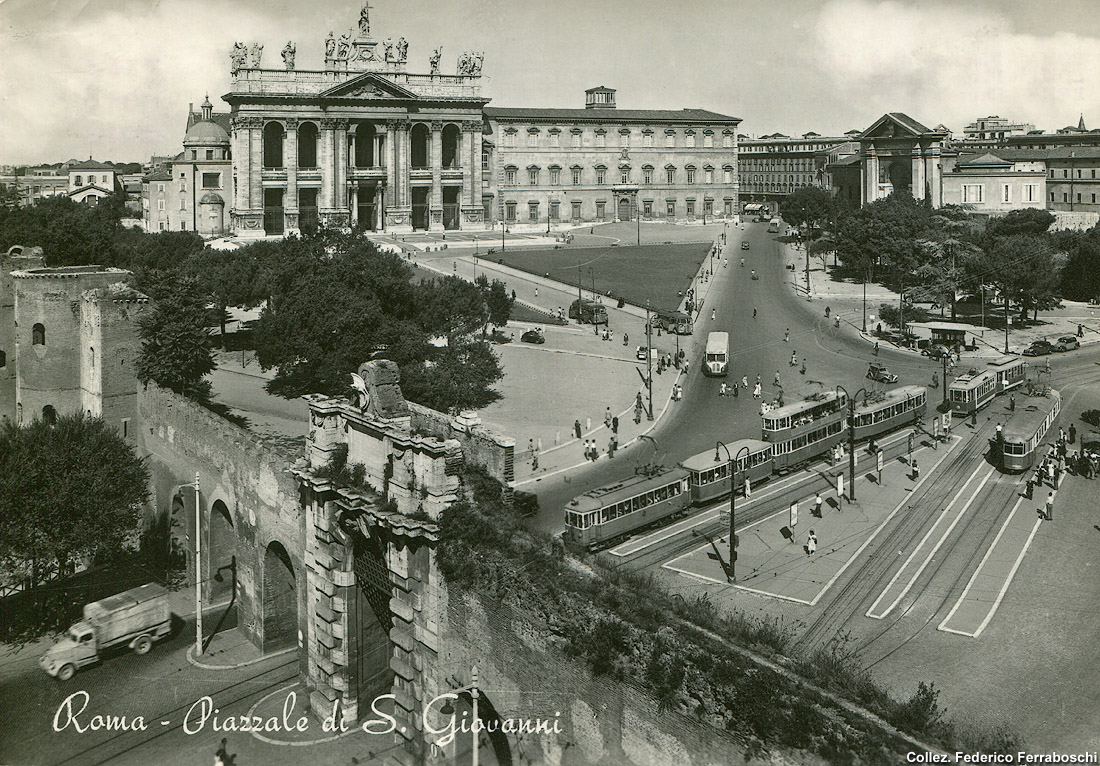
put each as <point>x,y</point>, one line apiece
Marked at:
<point>7,327</point>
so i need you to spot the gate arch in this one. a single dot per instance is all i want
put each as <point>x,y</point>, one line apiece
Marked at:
<point>280,599</point>
<point>223,547</point>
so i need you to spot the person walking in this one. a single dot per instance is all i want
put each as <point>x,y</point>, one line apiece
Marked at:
<point>1050,472</point>
<point>776,381</point>
<point>756,391</point>
<point>754,312</point>
<point>817,506</point>
<point>712,315</point>
<point>1050,506</point>
<point>787,335</point>
<point>577,428</point>
<point>1011,402</point>
<point>611,445</point>
<point>615,424</point>
<point>1072,433</point>
<point>811,544</point>
<point>794,359</point>
<point>876,348</point>
<point>626,338</point>
<point>607,417</point>
<point>803,369</point>
<point>744,381</point>
<point>1029,487</point>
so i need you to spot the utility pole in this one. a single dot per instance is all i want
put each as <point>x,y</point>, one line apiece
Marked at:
<point>198,570</point>
<point>649,359</point>
<point>806,245</point>
<point>1008,321</point>
<point>944,360</point>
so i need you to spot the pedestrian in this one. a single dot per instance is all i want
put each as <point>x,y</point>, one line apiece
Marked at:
<point>531,446</point>
<point>744,381</point>
<point>876,348</point>
<point>615,424</point>
<point>756,392</point>
<point>803,370</point>
<point>1050,472</point>
<point>734,387</point>
<point>637,414</point>
<point>721,389</point>
<point>826,311</point>
<point>1061,434</point>
<point>811,544</point>
<point>607,417</point>
<point>1011,402</point>
<point>1050,506</point>
<point>794,359</point>
<point>611,447</point>
<point>577,428</point>
<point>1080,331</point>
<point>776,381</point>
<point>1057,476</point>
<point>779,398</point>
<point>754,312</point>
<point>626,339</point>
<point>916,470</point>
<point>712,315</point>
<point>1029,487</point>
<point>536,292</point>
<point>787,335</point>
<point>535,462</point>
<point>1072,433</point>
<point>817,506</point>
<point>513,295</point>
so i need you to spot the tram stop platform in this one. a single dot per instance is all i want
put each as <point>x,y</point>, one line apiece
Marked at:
<point>774,564</point>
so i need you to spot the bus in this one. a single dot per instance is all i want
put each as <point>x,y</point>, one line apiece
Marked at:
<point>773,225</point>
<point>588,312</point>
<point>717,361</point>
<point>675,322</point>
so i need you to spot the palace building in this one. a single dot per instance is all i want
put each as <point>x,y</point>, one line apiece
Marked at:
<point>367,143</point>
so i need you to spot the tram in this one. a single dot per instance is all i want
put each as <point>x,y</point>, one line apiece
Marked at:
<point>1024,433</point>
<point>1010,371</point>
<point>709,472</point>
<point>970,392</point>
<point>605,515</point>
<point>802,430</point>
<point>885,411</point>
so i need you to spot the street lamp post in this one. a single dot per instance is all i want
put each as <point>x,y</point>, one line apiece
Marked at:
<point>731,571</point>
<point>448,710</point>
<point>503,228</point>
<point>851,440</point>
<point>866,275</point>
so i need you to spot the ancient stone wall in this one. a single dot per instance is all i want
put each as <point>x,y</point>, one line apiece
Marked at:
<point>247,494</point>
<point>8,264</point>
<point>109,344</point>
<point>481,446</point>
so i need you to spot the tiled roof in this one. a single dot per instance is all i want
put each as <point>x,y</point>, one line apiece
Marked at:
<point>1020,155</point>
<point>853,159</point>
<point>1073,152</point>
<point>982,159</point>
<point>89,164</point>
<point>910,123</point>
<point>609,116</point>
<point>161,175</point>
<point>221,118</point>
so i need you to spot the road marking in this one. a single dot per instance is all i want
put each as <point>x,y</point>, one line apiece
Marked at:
<point>928,558</point>
<point>1004,588</point>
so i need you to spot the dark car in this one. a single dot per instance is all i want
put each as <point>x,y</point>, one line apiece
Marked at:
<point>879,372</point>
<point>1067,343</point>
<point>938,351</point>
<point>744,245</point>
<point>532,336</point>
<point>1039,348</point>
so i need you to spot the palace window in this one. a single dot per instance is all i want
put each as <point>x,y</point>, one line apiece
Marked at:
<point>510,212</point>
<point>576,176</point>
<point>670,175</point>
<point>670,208</point>
<point>532,140</point>
<point>554,140</point>
<point>708,175</point>
<point>80,180</point>
<point>624,175</point>
<point>38,335</point>
<point>510,139</point>
<point>160,204</point>
<point>689,139</point>
<point>554,207</point>
<point>647,175</point>
<point>1006,193</point>
<point>670,139</point>
<point>575,139</point>
<point>708,139</point>
<point>533,176</point>
<point>484,159</point>
<point>601,210</point>
<point>576,206</point>
<point>708,207</point>
<point>727,174</point>
<point>601,175</point>
<point>727,140</point>
<point>647,208</point>
<point>1031,192</point>
<point>624,138</point>
<point>555,176</point>
<point>533,212</point>
<point>510,176</point>
<point>691,207</point>
<point>690,174</point>
<point>601,139</point>
<point>973,193</point>
<point>211,180</point>
<point>647,138</point>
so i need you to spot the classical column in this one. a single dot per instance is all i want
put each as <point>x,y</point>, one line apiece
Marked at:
<point>917,163</point>
<point>932,174</point>
<point>870,176</point>
<point>472,211</point>
<point>398,207</point>
<point>241,163</point>
<point>389,160</point>
<point>340,138</point>
<point>256,163</point>
<point>290,161</point>
<point>435,203</point>
<point>327,161</point>
<point>403,162</point>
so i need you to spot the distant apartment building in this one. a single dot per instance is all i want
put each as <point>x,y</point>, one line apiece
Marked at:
<point>994,131</point>
<point>1072,181</point>
<point>997,181</point>
<point>774,165</point>
<point>91,181</point>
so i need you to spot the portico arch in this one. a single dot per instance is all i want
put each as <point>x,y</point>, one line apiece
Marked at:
<point>451,146</point>
<point>223,548</point>
<point>419,146</point>
<point>364,136</point>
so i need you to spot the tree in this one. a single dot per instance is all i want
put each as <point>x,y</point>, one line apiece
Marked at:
<point>1029,221</point>
<point>1081,275</point>
<point>452,307</point>
<point>947,251</point>
<point>69,233</point>
<point>458,377</point>
<point>1022,268</point>
<point>808,206</point>
<point>228,278</point>
<point>499,303</point>
<point>69,490</point>
<point>176,351</point>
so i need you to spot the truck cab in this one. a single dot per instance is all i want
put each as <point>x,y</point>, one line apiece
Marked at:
<point>75,650</point>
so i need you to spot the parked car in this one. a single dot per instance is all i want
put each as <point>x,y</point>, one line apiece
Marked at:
<point>135,618</point>
<point>1067,343</point>
<point>641,352</point>
<point>877,371</point>
<point>938,351</point>
<point>744,245</point>
<point>1039,348</point>
<point>532,336</point>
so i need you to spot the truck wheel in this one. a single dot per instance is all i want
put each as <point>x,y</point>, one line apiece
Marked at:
<point>143,645</point>
<point>67,671</point>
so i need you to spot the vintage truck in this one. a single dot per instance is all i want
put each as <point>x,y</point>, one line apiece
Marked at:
<point>135,618</point>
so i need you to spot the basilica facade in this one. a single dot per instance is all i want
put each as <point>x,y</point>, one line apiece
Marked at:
<point>367,143</point>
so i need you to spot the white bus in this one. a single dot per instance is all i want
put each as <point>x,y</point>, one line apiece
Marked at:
<point>717,361</point>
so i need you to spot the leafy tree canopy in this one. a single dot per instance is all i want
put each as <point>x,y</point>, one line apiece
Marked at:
<point>886,232</point>
<point>808,206</point>
<point>69,233</point>
<point>175,343</point>
<point>1081,275</point>
<point>1029,221</point>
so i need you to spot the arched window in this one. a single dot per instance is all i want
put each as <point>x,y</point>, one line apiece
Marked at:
<point>38,335</point>
<point>419,137</point>
<point>307,145</point>
<point>49,415</point>
<point>451,144</point>
<point>273,144</point>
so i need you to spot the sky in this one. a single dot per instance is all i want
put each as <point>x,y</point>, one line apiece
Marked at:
<point>113,78</point>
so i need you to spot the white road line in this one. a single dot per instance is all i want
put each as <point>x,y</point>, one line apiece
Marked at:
<point>935,548</point>
<point>1011,576</point>
<point>978,571</point>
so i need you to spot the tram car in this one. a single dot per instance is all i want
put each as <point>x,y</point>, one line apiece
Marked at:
<point>709,472</point>
<point>1023,435</point>
<point>803,430</point>
<point>972,391</point>
<point>603,516</point>
<point>1010,371</point>
<point>882,412</point>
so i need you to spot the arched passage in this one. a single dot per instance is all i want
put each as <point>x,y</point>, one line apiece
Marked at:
<point>307,145</point>
<point>280,600</point>
<point>372,613</point>
<point>223,547</point>
<point>273,145</point>
<point>364,145</point>
<point>493,746</point>
<point>901,175</point>
<point>451,146</point>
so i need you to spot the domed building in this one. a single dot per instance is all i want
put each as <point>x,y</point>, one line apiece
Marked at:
<point>192,191</point>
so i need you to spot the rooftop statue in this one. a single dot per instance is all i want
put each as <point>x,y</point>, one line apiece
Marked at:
<point>434,60</point>
<point>330,46</point>
<point>364,21</point>
<point>288,54</point>
<point>257,54</point>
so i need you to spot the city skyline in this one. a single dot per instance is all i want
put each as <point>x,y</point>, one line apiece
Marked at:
<point>112,78</point>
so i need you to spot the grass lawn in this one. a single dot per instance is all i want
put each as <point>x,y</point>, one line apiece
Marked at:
<point>649,272</point>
